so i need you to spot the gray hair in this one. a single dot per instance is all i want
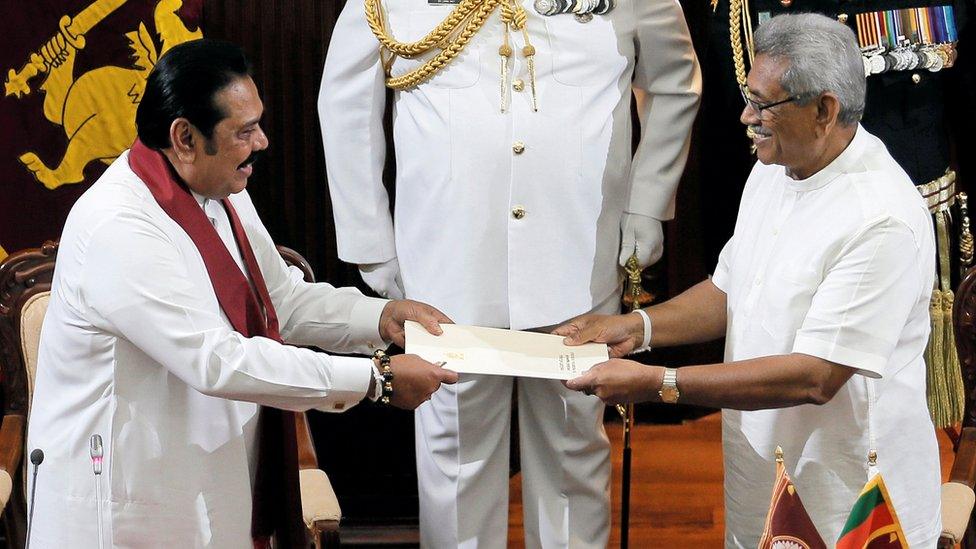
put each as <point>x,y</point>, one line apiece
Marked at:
<point>823,56</point>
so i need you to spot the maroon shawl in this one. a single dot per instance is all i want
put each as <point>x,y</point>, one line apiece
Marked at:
<point>276,499</point>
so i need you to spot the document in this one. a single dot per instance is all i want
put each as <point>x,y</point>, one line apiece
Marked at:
<point>494,351</point>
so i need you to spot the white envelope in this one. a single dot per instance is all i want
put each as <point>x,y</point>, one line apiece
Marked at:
<point>494,351</point>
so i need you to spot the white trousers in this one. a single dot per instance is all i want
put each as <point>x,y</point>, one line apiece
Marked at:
<point>462,437</point>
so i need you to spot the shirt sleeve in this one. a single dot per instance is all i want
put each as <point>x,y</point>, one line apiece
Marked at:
<point>351,103</point>
<point>720,278</point>
<point>135,285</point>
<point>340,320</point>
<point>667,81</point>
<point>861,307</point>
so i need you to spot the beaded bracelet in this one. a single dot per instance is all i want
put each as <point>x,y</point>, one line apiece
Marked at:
<point>387,373</point>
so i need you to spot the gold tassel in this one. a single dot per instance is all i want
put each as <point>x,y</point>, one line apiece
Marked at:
<point>635,296</point>
<point>945,391</point>
<point>505,52</point>
<point>934,353</point>
<point>954,384</point>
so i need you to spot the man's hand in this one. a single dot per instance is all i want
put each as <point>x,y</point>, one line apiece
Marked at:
<point>621,333</point>
<point>643,234</point>
<point>383,278</point>
<point>396,312</point>
<point>415,380</point>
<point>618,381</point>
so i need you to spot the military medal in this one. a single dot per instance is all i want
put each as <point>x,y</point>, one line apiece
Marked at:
<point>581,8</point>
<point>877,64</point>
<point>907,39</point>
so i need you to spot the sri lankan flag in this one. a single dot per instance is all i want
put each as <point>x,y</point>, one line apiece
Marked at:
<point>788,526</point>
<point>872,523</point>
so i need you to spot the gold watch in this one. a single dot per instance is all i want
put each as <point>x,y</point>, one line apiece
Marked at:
<point>669,387</point>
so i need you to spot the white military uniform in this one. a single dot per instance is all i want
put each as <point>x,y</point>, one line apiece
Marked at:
<point>136,348</point>
<point>510,219</point>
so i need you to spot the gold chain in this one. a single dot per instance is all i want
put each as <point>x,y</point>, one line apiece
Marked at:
<point>451,36</point>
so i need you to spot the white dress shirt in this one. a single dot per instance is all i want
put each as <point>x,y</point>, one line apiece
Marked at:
<point>838,266</point>
<point>136,348</point>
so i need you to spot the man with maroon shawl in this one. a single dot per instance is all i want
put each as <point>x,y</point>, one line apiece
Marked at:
<point>164,336</point>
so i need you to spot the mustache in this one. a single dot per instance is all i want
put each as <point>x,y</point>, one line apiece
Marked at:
<point>757,131</point>
<point>255,155</point>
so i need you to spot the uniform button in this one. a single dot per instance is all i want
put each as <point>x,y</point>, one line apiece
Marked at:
<point>842,18</point>
<point>775,232</point>
<point>518,147</point>
<point>518,85</point>
<point>518,212</point>
<point>758,281</point>
<point>916,78</point>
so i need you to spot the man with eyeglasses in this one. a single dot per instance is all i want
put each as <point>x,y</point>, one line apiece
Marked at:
<point>822,294</point>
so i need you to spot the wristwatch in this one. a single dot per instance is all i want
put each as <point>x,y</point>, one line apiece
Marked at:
<point>669,387</point>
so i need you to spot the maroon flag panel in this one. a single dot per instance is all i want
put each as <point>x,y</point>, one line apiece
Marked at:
<point>73,73</point>
<point>788,526</point>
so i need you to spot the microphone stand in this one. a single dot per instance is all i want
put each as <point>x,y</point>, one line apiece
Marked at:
<point>36,457</point>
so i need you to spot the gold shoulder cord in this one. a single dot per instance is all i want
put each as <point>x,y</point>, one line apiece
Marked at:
<point>450,36</point>
<point>739,14</point>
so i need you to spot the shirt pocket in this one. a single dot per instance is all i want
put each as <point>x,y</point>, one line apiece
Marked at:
<point>585,54</point>
<point>462,71</point>
<point>786,300</point>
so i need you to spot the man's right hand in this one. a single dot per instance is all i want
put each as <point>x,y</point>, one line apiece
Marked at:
<point>415,380</point>
<point>383,278</point>
<point>621,333</point>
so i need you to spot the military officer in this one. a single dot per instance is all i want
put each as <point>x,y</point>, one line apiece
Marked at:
<point>517,197</point>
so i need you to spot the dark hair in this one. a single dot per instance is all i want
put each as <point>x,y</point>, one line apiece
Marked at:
<point>184,83</point>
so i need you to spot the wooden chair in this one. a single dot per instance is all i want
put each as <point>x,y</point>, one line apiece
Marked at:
<point>320,507</point>
<point>957,493</point>
<point>25,285</point>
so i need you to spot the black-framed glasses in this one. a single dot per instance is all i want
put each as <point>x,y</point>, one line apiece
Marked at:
<point>760,107</point>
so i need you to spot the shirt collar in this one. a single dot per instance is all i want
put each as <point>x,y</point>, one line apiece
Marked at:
<point>201,200</point>
<point>838,166</point>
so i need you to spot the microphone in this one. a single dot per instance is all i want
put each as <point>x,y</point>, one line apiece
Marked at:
<point>36,457</point>
<point>95,445</point>
<point>97,451</point>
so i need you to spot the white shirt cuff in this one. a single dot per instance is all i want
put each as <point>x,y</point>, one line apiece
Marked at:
<point>364,324</point>
<point>350,382</point>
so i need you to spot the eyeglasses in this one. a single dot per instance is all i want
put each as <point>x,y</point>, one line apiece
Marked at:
<point>760,107</point>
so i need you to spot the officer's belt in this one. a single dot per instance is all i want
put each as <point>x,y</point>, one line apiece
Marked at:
<point>940,193</point>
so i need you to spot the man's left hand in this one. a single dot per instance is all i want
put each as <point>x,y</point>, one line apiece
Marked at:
<point>619,381</point>
<point>397,312</point>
